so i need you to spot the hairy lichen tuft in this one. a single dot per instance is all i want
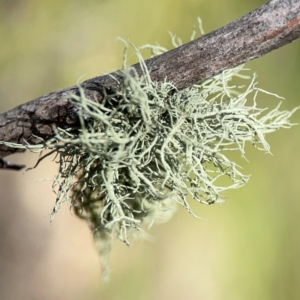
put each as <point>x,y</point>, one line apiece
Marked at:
<point>150,146</point>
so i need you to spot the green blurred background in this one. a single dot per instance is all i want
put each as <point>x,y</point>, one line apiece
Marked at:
<point>247,248</point>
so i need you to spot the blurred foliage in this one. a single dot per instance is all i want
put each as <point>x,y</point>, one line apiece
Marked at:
<point>249,247</point>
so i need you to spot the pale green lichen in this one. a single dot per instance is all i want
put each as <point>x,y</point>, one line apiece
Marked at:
<point>150,146</point>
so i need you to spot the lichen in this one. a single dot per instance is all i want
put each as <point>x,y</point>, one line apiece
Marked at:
<point>149,147</point>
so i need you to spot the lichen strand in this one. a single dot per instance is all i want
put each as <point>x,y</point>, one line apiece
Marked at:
<point>150,146</point>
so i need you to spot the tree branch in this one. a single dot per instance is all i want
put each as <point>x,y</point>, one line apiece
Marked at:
<point>267,28</point>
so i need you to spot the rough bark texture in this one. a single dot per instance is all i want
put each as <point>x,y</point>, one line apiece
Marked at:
<point>267,28</point>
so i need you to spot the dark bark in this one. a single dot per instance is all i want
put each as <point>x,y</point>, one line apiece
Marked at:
<point>267,28</point>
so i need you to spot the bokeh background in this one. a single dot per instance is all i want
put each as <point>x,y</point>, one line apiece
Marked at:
<point>246,248</point>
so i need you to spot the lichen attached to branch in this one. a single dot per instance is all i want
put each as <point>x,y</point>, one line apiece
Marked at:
<point>150,146</point>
